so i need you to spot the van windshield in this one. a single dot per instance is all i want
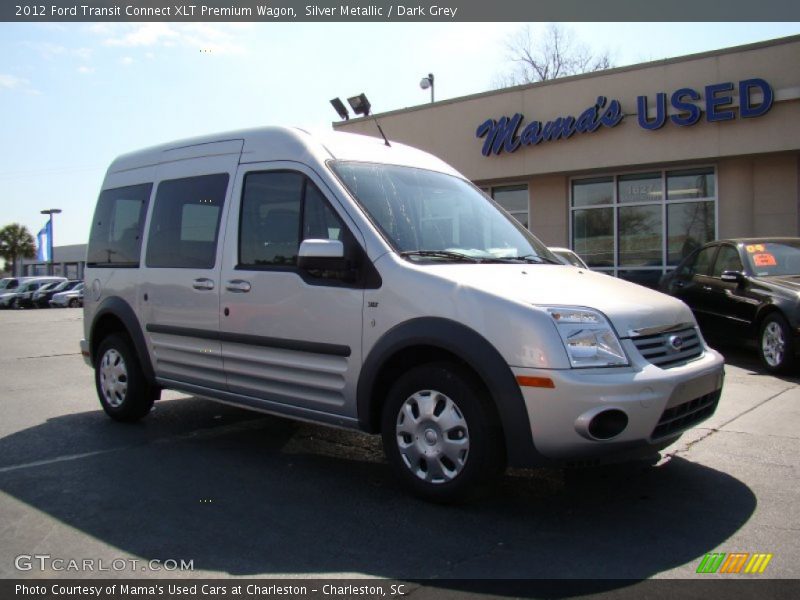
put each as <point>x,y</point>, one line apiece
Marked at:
<point>431,216</point>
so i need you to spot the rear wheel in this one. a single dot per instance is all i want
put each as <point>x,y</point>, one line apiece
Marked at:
<point>441,433</point>
<point>74,303</point>
<point>776,344</point>
<point>122,388</point>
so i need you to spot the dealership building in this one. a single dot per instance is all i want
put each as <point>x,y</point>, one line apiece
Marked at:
<point>631,167</point>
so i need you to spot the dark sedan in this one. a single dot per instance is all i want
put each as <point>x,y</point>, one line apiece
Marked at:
<point>747,291</point>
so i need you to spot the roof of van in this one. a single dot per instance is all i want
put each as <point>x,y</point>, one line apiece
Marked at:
<point>282,143</point>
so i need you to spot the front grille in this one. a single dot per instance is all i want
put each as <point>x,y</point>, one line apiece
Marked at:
<point>685,415</point>
<point>660,348</point>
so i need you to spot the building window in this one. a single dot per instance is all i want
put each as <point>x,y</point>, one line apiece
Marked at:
<point>638,226</point>
<point>513,198</point>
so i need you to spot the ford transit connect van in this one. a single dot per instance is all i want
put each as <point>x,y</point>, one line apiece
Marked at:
<point>366,286</point>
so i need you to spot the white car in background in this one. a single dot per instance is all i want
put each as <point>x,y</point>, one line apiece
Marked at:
<point>72,298</point>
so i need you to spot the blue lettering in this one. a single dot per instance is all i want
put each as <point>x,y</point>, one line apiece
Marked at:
<point>713,103</point>
<point>500,135</point>
<point>587,121</point>
<point>691,111</point>
<point>612,115</point>
<point>661,112</point>
<point>532,135</point>
<point>562,127</point>
<point>746,109</point>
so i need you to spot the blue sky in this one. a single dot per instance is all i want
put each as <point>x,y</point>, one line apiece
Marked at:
<point>74,96</point>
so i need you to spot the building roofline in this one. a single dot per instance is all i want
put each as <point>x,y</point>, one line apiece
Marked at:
<point>624,69</point>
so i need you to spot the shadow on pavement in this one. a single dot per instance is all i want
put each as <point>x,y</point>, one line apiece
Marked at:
<point>746,358</point>
<point>245,494</point>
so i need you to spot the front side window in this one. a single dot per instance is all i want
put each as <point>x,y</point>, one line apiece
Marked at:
<point>279,210</point>
<point>115,239</point>
<point>184,227</point>
<point>428,215</point>
<point>727,260</point>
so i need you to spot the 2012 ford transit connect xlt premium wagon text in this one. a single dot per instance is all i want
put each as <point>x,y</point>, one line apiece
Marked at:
<point>366,286</point>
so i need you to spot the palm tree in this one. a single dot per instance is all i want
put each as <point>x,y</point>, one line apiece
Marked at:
<point>16,242</point>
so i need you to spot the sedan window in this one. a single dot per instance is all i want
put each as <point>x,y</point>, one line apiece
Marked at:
<point>727,260</point>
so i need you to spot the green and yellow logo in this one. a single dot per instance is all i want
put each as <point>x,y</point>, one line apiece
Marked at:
<point>734,563</point>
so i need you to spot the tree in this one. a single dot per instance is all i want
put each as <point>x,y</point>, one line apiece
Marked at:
<point>555,53</point>
<point>16,242</point>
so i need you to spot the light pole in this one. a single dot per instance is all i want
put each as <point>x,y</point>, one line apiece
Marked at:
<point>427,82</point>
<point>50,212</point>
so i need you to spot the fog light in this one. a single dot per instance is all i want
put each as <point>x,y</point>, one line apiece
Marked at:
<point>608,424</point>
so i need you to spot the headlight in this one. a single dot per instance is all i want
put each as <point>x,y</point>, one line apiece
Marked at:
<point>588,337</point>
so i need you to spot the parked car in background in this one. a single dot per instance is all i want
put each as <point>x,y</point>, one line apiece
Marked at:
<point>42,296</point>
<point>72,298</point>
<point>8,283</point>
<point>22,295</point>
<point>568,257</point>
<point>746,291</point>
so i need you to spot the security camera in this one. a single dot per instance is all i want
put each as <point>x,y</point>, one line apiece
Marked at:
<point>424,83</point>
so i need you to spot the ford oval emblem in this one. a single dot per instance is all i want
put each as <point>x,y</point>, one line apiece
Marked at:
<point>675,342</point>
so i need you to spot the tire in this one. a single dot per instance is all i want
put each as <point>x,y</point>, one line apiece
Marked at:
<point>15,304</point>
<point>776,346</point>
<point>124,392</point>
<point>73,303</point>
<point>441,434</point>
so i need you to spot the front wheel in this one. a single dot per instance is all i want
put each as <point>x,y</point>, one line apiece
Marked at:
<point>124,392</point>
<point>776,344</point>
<point>441,434</point>
<point>74,303</point>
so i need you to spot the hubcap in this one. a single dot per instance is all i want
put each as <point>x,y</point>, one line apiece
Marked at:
<point>113,378</point>
<point>772,344</point>
<point>432,436</point>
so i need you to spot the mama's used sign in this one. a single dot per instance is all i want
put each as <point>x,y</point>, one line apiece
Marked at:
<point>507,134</point>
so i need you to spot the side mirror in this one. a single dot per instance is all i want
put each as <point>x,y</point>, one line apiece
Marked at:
<point>733,277</point>
<point>321,255</point>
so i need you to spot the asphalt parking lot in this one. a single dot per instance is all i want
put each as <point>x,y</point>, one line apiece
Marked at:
<point>243,494</point>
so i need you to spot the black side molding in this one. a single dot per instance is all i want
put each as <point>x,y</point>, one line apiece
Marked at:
<point>253,340</point>
<point>114,306</point>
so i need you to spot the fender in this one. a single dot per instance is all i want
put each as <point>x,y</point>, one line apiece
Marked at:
<point>479,354</point>
<point>116,306</point>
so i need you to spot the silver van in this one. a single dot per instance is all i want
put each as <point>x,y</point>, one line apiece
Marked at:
<point>344,281</point>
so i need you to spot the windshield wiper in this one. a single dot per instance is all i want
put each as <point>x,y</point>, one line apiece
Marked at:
<point>445,254</point>
<point>538,258</point>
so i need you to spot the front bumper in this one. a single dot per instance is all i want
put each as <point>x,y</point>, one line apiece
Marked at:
<point>658,406</point>
<point>87,355</point>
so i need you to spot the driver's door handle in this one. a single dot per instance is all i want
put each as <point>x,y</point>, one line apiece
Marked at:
<point>203,284</point>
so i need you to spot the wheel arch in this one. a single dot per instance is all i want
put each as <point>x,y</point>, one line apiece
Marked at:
<point>115,315</point>
<point>432,339</point>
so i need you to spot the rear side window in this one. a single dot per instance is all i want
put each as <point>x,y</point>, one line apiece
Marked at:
<point>279,209</point>
<point>116,236</point>
<point>184,228</point>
